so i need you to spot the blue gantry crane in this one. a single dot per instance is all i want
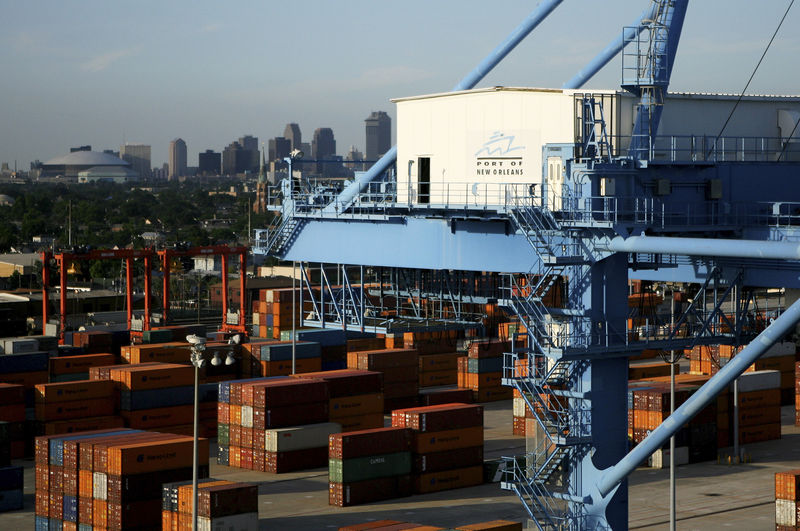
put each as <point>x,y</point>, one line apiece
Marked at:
<point>568,188</point>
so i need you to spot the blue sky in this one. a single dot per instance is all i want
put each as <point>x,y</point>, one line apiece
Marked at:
<point>100,72</point>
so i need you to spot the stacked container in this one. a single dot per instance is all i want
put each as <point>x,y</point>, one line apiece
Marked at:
<point>12,422</point>
<point>77,367</point>
<point>400,368</point>
<point>26,369</point>
<point>482,370</point>
<point>109,479</point>
<point>395,525</point>
<point>72,406</point>
<point>248,409</point>
<point>759,407</point>
<point>446,444</point>
<point>10,487</point>
<point>438,369</point>
<point>356,397</point>
<point>787,500</point>
<point>432,397</point>
<point>369,465</point>
<point>272,313</point>
<point>220,505</point>
<point>797,394</point>
<point>274,358</point>
<point>438,342</point>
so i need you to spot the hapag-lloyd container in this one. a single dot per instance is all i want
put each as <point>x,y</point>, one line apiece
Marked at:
<point>368,442</point>
<point>369,467</point>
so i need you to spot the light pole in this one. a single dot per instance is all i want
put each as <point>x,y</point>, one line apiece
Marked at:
<point>198,347</point>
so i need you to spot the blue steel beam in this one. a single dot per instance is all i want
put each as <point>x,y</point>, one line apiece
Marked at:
<point>348,195</point>
<point>733,369</point>
<point>703,247</point>
<point>609,52</point>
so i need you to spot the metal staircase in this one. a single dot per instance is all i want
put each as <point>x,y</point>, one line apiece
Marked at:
<point>542,374</point>
<point>283,233</point>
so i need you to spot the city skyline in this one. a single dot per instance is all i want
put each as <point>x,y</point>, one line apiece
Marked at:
<point>77,75</point>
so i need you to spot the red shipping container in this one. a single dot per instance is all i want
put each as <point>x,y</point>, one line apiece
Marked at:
<point>347,494</point>
<point>444,417</point>
<point>369,442</point>
<point>280,462</point>
<point>348,382</point>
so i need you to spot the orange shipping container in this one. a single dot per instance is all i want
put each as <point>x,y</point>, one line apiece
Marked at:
<point>78,364</point>
<point>448,479</point>
<point>73,391</point>
<point>284,368</point>
<point>158,376</point>
<point>494,525</point>
<point>76,409</point>
<point>156,455</point>
<point>159,417</point>
<point>348,406</point>
<point>430,379</point>
<point>440,441</point>
<point>83,424</point>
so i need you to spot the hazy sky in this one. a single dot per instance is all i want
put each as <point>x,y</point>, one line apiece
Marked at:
<point>100,72</point>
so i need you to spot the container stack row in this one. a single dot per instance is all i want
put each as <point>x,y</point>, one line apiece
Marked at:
<point>446,445</point>
<point>400,368</point>
<point>356,397</point>
<point>272,312</point>
<point>369,465</point>
<point>13,426</point>
<point>274,358</point>
<point>109,479</point>
<point>438,369</point>
<point>787,500</point>
<point>482,370</point>
<point>220,505</point>
<point>76,406</point>
<point>249,410</point>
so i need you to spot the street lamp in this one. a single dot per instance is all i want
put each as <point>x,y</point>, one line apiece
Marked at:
<point>198,346</point>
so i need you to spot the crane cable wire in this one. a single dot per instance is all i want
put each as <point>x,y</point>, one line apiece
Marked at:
<point>741,95</point>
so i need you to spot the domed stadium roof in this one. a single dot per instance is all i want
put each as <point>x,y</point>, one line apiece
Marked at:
<point>87,158</point>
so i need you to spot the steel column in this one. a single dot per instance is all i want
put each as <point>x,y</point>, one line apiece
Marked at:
<point>45,287</point>
<point>129,289</point>
<point>148,267</point>
<point>62,320</point>
<point>224,259</point>
<point>242,291</point>
<point>165,266</point>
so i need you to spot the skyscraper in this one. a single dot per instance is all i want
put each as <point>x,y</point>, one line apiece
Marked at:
<point>249,143</point>
<point>177,158</point>
<point>379,134</point>
<point>209,163</point>
<point>323,147</point>
<point>279,147</point>
<point>138,155</point>
<point>292,132</point>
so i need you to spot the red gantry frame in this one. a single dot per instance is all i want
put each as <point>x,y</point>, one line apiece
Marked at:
<point>64,260</point>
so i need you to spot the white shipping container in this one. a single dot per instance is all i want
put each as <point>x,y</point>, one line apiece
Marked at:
<point>256,318</point>
<point>660,458</point>
<point>758,381</point>
<point>235,522</point>
<point>247,416</point>
<point>300,437</point>
<point>787,512</point>
<point>519,406</point>
<point>99,485</point>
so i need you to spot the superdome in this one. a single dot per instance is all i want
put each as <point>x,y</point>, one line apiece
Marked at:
<point>71,164</point>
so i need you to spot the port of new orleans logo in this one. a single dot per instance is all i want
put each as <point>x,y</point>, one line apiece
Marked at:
<point>499,156</point>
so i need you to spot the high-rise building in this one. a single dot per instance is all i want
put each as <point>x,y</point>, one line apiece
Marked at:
<point>292,132</point>
<point>323,147</point>
<point>379,134</point>
<point>249,144</point>
<point>209,163</point>
<point>138,155</point>
<point>236,159</point>
<point>279,147</point>
<point>177,158</point>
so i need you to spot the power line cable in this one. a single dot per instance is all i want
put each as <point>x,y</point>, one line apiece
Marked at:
<point>741,95</point>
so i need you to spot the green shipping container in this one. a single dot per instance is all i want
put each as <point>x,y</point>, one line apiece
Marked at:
<point>370,467</point>
<point>156,336</point>
<point>223,434</point>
